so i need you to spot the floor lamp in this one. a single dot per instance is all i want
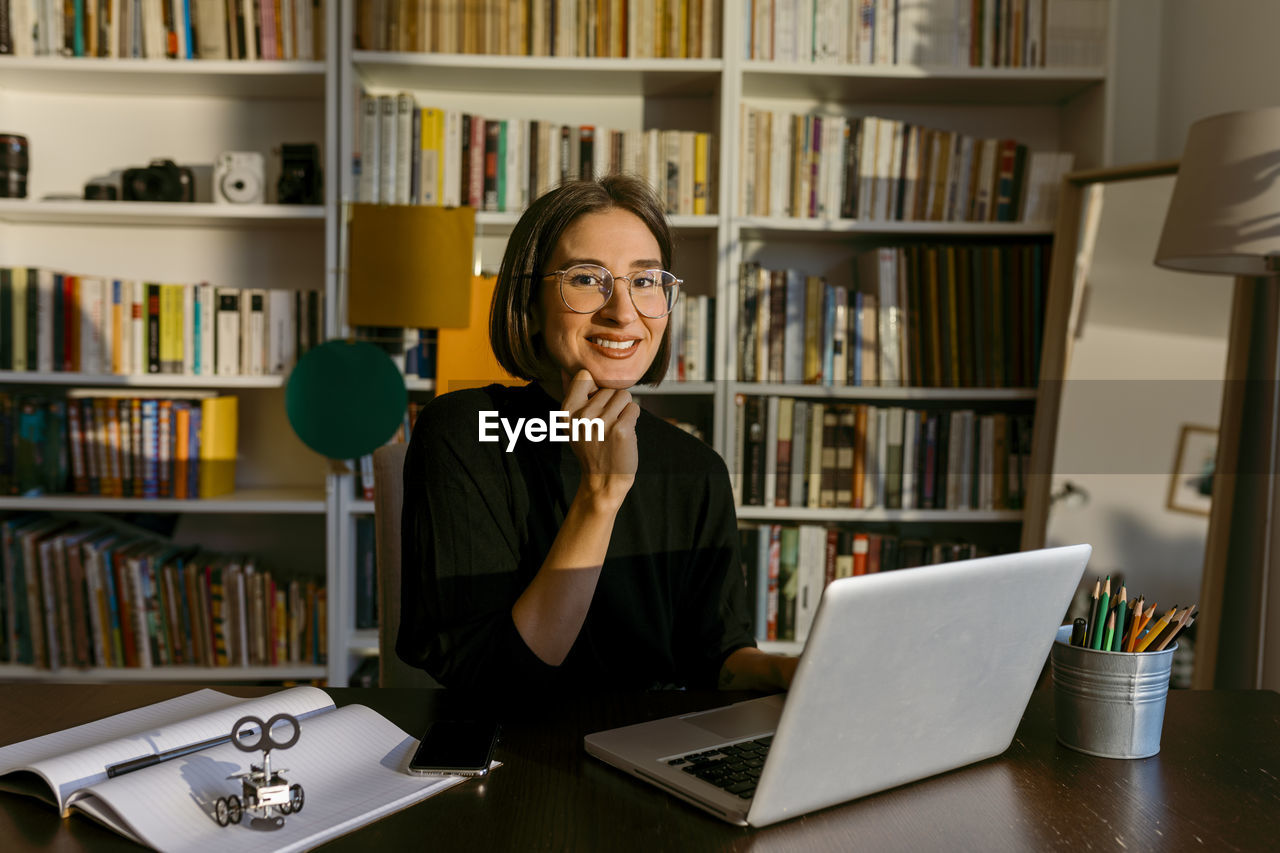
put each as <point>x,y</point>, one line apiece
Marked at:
<point>1224,219</point>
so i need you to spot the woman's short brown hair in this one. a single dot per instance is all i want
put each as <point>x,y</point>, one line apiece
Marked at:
<point>534,239</point>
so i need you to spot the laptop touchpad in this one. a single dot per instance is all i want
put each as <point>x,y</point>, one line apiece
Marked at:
<point>738,721</point>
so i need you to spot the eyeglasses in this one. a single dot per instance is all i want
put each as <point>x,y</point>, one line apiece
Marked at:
<point>586,288</point>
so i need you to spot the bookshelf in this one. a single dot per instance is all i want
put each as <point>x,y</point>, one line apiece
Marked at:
<point>160,214</point>
<point>1063,107</point>
<point>87,118</point>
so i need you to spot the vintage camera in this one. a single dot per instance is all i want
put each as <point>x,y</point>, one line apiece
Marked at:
<point>161,181</point>
<point>13,165</point>
<point>300,176</point>
<point>238,178</point>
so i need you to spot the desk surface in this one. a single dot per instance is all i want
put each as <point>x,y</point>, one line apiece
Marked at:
<point>1214,786</point>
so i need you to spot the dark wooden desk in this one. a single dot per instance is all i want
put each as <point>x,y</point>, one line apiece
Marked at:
<point>1214,786</point>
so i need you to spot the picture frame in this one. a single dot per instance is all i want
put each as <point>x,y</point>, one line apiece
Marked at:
<point>1191,483</point>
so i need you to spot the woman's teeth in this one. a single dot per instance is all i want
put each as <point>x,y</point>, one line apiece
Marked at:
<point>613,344</point>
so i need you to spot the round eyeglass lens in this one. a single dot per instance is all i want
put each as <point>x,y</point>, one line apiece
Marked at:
<point>586,288</point>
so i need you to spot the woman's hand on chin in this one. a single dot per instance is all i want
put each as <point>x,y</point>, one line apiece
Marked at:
<point>608,455</point>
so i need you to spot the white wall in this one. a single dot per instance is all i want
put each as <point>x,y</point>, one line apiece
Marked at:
<point>1128,394</point>
<point>1217,56</point>
<point>1177,61</point>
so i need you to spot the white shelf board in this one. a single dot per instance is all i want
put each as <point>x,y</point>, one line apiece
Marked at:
<point>882,392</point>
<point>169,77</point>
<point>669,388</point>
<point>299,501</point>
<point>537,75</point>
<point>176,214</point>
<point>501,223</point>
<point>762,227</point>
<point>417,383</point>
<point>143,380</point>
<point>915,84</point>
<point>359,506</point>
<point>835,514</point>
<point>199,674</point>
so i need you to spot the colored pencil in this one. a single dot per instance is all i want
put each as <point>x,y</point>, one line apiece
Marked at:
<point>1131,633</point>
<point>1103,605</point>
<point>1093,614</point>
<point>1156,629</point>
<point>1122,610</point>
<point>1139,624</point>
<point>1183,621</point>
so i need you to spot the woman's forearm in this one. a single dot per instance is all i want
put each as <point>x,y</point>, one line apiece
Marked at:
<point>752,669</point>
<point>550,612</point>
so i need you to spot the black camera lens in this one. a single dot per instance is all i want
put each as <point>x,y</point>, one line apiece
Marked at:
<point>148,185</point>
<point>13,165</point>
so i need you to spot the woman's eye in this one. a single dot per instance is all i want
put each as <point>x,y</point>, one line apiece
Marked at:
<point>584,280</point>
<point>643,281</point>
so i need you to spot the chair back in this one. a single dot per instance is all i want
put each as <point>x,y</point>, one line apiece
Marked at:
<point>388,499</point>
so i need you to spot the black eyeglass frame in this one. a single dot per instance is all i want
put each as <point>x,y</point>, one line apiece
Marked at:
<point>613,279</point>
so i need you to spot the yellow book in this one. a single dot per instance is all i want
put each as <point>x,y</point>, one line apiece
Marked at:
<point>118,323</point>
<point>170,328</point>
<point>814,288</point>
<point>71,301</point>
<point>438,143</point>
<point>431,163</point>
<point>701,142</point>
<point>660,31</point>
<point>19,315</point>
<point>953,320</point>
<point>218,423</point>
<point>162,309</point>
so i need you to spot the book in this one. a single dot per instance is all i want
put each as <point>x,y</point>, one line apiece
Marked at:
<point>351,763</point>
<point>217,439</point>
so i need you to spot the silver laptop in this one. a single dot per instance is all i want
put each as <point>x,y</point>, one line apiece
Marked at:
<point>905,674</point>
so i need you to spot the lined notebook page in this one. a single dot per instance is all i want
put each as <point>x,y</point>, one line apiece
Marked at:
<point>351,764</point>
<point>71,759</point>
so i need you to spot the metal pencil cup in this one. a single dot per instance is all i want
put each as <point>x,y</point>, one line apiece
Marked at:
<point>1109,704</point>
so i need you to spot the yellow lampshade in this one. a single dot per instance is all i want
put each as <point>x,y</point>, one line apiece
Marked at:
<point>409,266</point>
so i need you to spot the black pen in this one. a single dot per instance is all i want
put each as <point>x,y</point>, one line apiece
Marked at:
<point>132,764</point>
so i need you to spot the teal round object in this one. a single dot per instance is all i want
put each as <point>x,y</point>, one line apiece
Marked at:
<point>345,399</point>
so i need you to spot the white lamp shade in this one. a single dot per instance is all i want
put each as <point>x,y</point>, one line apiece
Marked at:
<point>1224,217</point>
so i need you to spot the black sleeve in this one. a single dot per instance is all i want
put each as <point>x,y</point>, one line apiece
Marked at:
<point>459,558</point>
<point>716,617</point>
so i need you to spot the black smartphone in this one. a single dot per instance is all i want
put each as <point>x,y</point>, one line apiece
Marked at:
<point>455,748</point>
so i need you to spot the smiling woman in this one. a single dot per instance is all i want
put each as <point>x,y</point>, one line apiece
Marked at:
<point>609,560</point>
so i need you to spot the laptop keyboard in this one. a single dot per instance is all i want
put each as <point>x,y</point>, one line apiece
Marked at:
<point>735,768</point>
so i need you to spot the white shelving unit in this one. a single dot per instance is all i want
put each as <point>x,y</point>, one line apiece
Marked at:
<point>194,674</point>
<point>87,118</point>
<point>163,214</point>
<point>191,111</point>
<point>239,502</point>
<point>166,77</point>
<point>1048,108</point>
<point>141,380</point>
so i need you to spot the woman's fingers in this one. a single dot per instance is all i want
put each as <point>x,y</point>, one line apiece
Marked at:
<point>578,390</point>
<point>612,406</point>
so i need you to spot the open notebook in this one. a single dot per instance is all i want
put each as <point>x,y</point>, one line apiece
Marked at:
<point>351,761</point>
